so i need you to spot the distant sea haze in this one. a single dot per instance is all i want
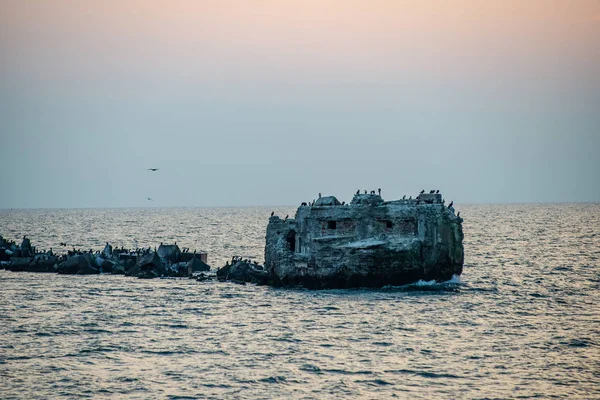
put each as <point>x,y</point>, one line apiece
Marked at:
<point>521,321</point>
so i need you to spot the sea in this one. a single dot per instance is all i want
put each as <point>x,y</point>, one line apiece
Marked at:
<point>522,321</point>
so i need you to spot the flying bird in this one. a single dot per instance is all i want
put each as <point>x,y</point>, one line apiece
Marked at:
<point>152,169</point>
<point>150,199</point>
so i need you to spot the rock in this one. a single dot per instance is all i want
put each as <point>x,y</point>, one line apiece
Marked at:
<point>243,271</point>
<point>77,264</point>
<point>107,266</point>
<point>108,251</point>
<point>118,269</point>
<point>26,249</point>
<point>368,243</point>
<point>196,265</point>
<point>169,253</point>
<point>148,266</point>
<point>19,263</point>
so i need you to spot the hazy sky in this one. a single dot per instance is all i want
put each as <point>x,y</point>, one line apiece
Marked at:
<point>269,102</point>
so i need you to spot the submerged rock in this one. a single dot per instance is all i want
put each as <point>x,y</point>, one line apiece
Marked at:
<point>368,243</point>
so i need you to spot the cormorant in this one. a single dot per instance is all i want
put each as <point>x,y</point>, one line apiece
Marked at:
<point>431,191</point>
<point>365,191</point>
<point>403,197</point>
<point>422,191</point>
<point>286,217</point>
<point>379,190</point>
<point>410,197</point>
<point>319,194</point>
<point>358,191</point>
<point>458,215</point>
<point>272,213</point>
<point>343,202</point>
<point>437,191</point>
<point>450,205</point>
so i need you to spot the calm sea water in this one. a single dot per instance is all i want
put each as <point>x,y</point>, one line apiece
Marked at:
<point>523,322</point>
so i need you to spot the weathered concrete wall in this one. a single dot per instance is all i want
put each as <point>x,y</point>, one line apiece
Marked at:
<point>368,243</point>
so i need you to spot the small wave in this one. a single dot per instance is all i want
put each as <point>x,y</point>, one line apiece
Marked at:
<point>346,372</point>
<point>310,368</point>
<point>274,379</point>
<point>375,382</point>
<point>453,284</point>
<point>425,374</point>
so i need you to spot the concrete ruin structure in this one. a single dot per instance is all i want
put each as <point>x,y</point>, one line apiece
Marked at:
<point>367,243</point>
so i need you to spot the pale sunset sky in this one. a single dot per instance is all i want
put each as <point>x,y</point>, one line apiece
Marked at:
<point>270,102</point>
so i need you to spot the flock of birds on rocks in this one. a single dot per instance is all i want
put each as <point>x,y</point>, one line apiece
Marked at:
<point>378,192</point>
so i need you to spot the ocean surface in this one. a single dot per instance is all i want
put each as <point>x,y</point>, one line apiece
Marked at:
<point>523,321</point>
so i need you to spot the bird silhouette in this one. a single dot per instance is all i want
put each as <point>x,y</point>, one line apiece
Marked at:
<point>272,213</point>
<point>152,169</point>
<point>150,199</point>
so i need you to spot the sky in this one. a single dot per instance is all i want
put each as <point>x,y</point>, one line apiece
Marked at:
<point>269,102</point>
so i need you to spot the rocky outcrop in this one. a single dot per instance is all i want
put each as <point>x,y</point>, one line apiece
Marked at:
<point>243,271</point>
<point>368,243</point>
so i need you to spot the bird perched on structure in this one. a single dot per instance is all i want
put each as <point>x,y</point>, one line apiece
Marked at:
<point>343,202</point>
<point>403,197</point>
<point>286,217</point>
<point>422,191</point>
<point>458,215</point>
<point>431,191</point>
<point>379,190</point>
<point>272,213</point>
<point>451,204</point>
<point>437,191</point>
<point>152,169</point>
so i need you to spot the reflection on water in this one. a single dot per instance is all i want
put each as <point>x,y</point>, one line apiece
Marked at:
<point>523,321</point>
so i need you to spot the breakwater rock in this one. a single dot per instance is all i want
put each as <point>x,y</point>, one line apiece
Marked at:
<point>166,261</point>
<point>367,243</point>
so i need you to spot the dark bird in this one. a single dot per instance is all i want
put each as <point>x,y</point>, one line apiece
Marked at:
<point>286,217</point>
<point>149,198</point>
<point>379,190</point>
<point>63,244</point>
<point>431,191</point>
<point>272,213</point>
<point>458,215</point>
<point>451,204</point>
<point>403,197</point>
<point>152,169</point>
<point>358,191</point>
<point>422,191</point>
<point>319,195</point>
<point>365,192</point>
<point>437,191</point>
<point>410,197</point>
